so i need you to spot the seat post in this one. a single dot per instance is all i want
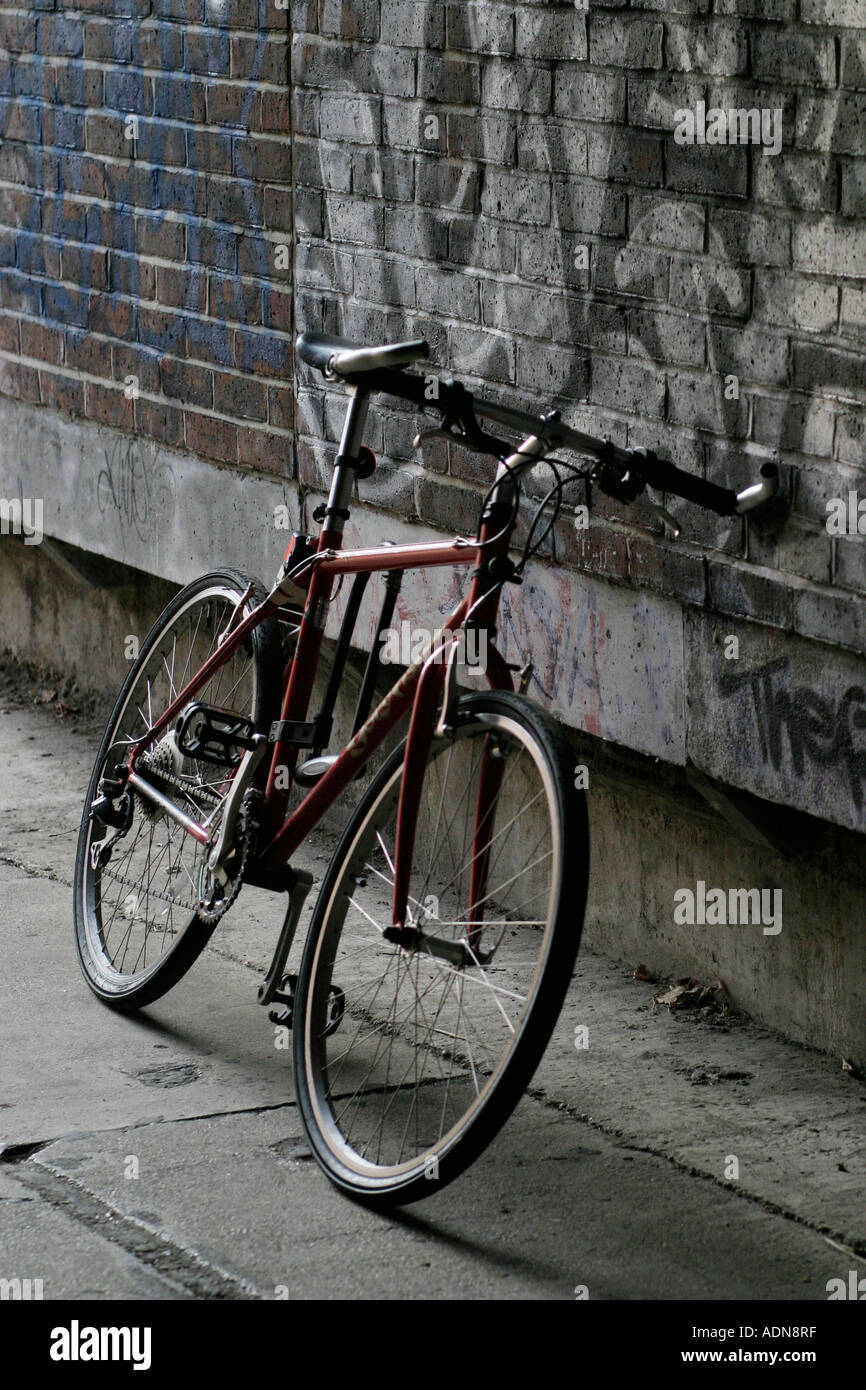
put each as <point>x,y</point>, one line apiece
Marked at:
<point>350,446</point>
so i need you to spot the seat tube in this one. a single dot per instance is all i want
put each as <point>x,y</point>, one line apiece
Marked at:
<point>351,440</point>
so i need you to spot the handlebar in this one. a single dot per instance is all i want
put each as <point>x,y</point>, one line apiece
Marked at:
<point>621,473</point>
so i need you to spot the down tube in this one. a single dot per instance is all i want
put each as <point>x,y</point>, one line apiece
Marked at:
<point>357,753</point>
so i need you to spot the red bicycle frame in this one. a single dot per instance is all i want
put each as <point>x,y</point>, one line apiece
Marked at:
<point>418,690</point>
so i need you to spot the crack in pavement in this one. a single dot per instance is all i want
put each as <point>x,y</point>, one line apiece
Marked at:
<point>856,1248</point>
<point>181,1266</point>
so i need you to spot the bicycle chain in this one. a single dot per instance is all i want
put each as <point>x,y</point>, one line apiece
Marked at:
<point>150,892</point>
<point>205,792</point>
<point>211,911</point>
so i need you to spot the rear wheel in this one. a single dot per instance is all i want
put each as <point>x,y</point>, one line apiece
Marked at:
<point>138,884</point>
<point>410,1053</point>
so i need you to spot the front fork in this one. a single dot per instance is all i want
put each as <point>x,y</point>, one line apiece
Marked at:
<point>437,687</point>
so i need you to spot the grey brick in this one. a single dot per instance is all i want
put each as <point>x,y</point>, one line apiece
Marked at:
<point>699,402</point>
<point>406,125</point>
<point>357,220</point>
<point>449,79</point>
<point>620,42</point>
<point>385,280</point>
<point>853,189</point>
<point>590,324</point>
<point>745,591</point>
<point>854,61</point>
<point>484,243</point>
<point>356,119</point>
<point>589,96</point>
<point>831,123</point>
<point>552,257</point>
<point>339,67</point>
<point>795,301</point>
<point>585,205</point>
<point>622,384</point>
<point>558,147</point>
<point>851,564</point>
<point>800,549</point>
<point>835,618</point>
<point>518,309</point>
<point>413,23</point>
<point>666,222</point>
<point>654,101</point>
<point>792,422</point>
<point>519,86</point>
<point>516,197</point>
<point>828,370</point>
<point>626,155</point>
<point>850,442</point>
<point>482,354</point>
<point>387,174</point>
<point>772,10</point>
<point>795,181</point>
<point>557,36</point>
<point>667,569</point>
<point>749,238</point>
<point>323,266</point>
<point>356,22</point>
<point>841,12</point>
<point>480,136</point>
<point>707,169</point>
<point>752,354</point>
<point>816,486</point>
<point>553,372</point>
<point>632,270</point>
<point>706,286</point>
<point>480,28</point>
<point>854,312</point>
<point>448,292</point>
<point>711,48</point>
<point>665,337</point>
<point>417,231</point>
<point>794,58</point>
<point>446,184</point>
<point>827,247</point>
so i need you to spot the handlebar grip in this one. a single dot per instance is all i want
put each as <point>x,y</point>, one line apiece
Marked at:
<point>663,474</point>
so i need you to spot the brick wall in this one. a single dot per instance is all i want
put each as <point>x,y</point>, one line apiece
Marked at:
<point>145,182</point>
<point>502,177</point>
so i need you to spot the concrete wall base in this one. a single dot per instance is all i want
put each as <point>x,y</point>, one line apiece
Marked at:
<point>653,831</point>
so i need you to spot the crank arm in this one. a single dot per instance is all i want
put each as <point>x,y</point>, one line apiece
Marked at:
<point>297,897</point>
<point>232,805</point>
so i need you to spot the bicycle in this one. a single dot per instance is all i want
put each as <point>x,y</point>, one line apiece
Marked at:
<point>448,922</point>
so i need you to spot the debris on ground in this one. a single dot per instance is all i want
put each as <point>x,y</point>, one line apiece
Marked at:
<point>25,683</point>
<point>689,993</point>
<point>710,1076</point>
<point>851,1069</point>
<point>648,977</point>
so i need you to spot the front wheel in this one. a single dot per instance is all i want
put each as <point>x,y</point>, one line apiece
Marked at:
<point>410,1053</point>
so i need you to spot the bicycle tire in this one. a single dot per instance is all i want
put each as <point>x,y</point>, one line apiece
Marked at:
<point>128,992</point>
<point>320,981</point>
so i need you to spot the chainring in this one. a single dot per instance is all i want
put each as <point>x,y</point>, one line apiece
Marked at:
<point>215,898</point>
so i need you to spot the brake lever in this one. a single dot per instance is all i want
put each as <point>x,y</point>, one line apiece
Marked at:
<point>436,432</point>
<point>671,526</point>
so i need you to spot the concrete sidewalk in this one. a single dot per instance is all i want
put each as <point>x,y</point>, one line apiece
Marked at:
<point>613,1174</point>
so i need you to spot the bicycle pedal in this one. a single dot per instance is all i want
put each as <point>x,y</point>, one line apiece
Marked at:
<point>284,996</point>
<point>213,735</point>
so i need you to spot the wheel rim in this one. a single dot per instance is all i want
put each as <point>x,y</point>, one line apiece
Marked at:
<point>422,1043</point>
<point>139,905</point>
